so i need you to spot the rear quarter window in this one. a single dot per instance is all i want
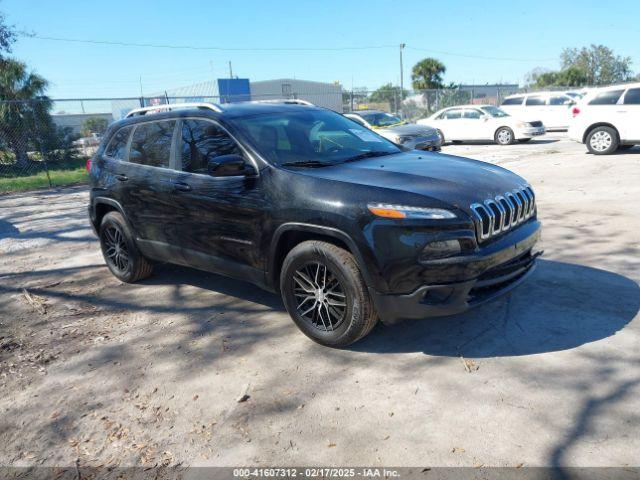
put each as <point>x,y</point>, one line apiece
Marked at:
<point>117,147</point>
<point>535,100</point>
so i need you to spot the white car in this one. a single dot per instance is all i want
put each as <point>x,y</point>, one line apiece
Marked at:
<point>552,108</point>
<point>481,122</point>
<point>607,119</point>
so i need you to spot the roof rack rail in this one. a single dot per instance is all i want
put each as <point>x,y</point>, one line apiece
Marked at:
<point>291,101</point>
<point>171,106</point>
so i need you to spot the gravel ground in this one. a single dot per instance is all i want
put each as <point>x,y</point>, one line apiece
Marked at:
<point>100,373</point>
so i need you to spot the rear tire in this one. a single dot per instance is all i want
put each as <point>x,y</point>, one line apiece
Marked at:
<point>602,141</point>
<point>504,136</point>
<point>119,250</point>
<point>325,294</point>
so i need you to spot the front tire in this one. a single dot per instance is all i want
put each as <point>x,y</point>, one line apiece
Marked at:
<point>323,290</point>
<point>119,250</point>
<point>504,136</point>
<point>602,141</point>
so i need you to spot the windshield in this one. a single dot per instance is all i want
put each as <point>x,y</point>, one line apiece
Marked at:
<point>311,138</point>
<point>495,112</point>
<point>381,119</point>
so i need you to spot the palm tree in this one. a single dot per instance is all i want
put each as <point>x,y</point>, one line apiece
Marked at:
<point>24,110</point>
<point>427,75</point>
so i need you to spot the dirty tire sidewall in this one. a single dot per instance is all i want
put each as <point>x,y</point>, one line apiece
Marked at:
<point>138,267</point>
<point>360,316</point>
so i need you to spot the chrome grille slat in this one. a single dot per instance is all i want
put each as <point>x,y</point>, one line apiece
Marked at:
<point>503,212</point>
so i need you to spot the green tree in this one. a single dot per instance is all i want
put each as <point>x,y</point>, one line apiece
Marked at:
<point>600,65</point>
<point>24,109</point>
<point>7,36</point>
<point>387,93</point>
<point>569,77</point>
<point>427,74</point>
<point>94,125</point>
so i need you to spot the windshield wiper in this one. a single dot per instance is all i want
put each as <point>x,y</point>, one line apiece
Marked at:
<point>306,163</point>
<point>363,155</point>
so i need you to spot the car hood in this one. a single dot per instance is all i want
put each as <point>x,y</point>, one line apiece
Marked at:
<point>449,179</point>
<point>408,129</point>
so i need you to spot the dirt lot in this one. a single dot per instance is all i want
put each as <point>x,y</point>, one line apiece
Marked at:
<point>148,374</point>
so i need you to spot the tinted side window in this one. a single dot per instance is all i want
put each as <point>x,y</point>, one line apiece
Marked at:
<point>513,101</point>
<point>535,100</point>
<point>607,98</point>
<point>358,120</point>
<point>474,114</point>
<point>453,114</point>
<point>559,100</point>
<point>117,147</point>
<point>151,143</point>
<point>632,97</point>
<point>203,141</point>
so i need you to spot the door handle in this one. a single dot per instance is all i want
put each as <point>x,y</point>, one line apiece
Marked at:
<point>122,178</point>
<point>181,186</point>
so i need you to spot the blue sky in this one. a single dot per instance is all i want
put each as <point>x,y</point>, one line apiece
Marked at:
<point>523,35</point>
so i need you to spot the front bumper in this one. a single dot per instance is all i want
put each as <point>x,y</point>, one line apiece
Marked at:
<point>431,144</point>
<point>497,273</point>
<point>529,132</point>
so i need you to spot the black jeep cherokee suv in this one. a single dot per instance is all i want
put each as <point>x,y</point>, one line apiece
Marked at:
<point>298,199</point>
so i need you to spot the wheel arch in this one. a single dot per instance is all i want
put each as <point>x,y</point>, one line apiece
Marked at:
<point>288,235</point>
<point>590,128</point>
<point>104,205</point>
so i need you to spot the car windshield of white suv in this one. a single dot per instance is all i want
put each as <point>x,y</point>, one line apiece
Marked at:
<point>313,138</point>
<point>381,119</point>
<point>495,112</point>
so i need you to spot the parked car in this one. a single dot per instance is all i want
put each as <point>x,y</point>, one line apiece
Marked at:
<point>347,226</point>
<point>399,132</point>
<point>608,119</point>
<point>552,108</point>
<point>481,122</point>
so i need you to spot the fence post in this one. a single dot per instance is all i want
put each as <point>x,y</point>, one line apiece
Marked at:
<point>41,148</point>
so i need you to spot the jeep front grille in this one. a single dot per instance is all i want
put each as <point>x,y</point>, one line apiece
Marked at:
<point>502,213</point>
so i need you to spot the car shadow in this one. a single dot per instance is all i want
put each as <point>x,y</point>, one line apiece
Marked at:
<point>562,306</point>
<point>167,274</point>
<point>533,141</point>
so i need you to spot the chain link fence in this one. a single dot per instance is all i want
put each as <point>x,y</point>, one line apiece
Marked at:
<point>42,137</point>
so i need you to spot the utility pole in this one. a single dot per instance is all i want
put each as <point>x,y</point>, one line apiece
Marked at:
<point>230,70</point>
<point>402,45</point>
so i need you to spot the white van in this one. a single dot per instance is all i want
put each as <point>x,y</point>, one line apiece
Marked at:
<point>553,108</point>
<point>608,119</point>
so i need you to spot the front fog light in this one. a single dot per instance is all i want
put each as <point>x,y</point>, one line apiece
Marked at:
<point>440,249</point>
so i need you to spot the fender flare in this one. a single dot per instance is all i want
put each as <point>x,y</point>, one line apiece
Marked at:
<point>321,230</point>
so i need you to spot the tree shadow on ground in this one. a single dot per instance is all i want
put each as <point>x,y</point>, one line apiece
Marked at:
<point>562,306</point>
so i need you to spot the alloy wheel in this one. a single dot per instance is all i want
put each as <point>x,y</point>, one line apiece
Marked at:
<point>320,297</point>
<point>115,248</point>
<point>600,141</point>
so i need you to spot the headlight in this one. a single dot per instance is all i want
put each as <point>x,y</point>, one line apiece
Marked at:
<point>400,211</point>
<point>402,139</point>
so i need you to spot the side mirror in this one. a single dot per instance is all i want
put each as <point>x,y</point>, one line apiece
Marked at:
<point>231,165</point>
<point>485,118</point>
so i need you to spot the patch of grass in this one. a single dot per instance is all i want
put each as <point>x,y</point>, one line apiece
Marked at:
<point>59,178</point>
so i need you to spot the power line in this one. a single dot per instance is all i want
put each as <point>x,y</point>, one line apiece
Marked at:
<point>276,49</point>
<point>195,47</point>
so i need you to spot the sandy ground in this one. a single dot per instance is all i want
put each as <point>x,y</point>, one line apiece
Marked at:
<point>102,373</point>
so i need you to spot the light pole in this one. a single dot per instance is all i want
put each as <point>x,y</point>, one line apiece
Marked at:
<point>402,45</point>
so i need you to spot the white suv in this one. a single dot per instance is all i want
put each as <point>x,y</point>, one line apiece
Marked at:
<point>607,119</point>
<point>552,108</point>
